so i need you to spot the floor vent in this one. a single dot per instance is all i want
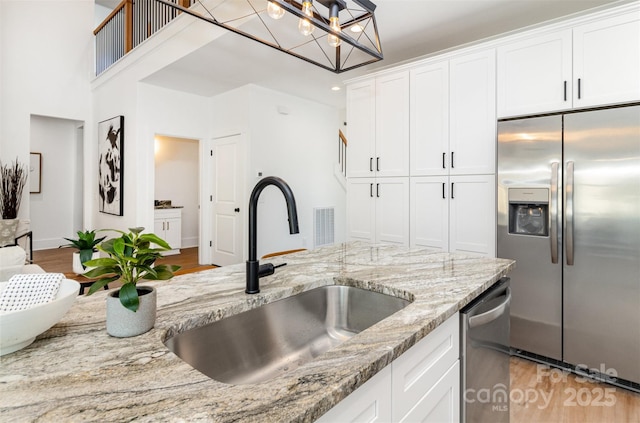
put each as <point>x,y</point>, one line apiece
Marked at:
<point>323,222</point>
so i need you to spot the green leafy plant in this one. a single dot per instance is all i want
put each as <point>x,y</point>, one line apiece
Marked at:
<point>85,244</point>
<point>14,178</point>
<point>131,259</point>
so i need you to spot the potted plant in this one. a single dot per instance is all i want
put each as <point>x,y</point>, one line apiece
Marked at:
<point>14,178</point>
<point>131,310</point>
<point>86,245</point>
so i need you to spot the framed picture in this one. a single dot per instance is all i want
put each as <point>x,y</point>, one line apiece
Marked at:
<point>111,165</point>
<point>35,173</point>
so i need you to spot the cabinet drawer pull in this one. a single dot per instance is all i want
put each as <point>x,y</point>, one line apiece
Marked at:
<point>377,164</point>
<point>443,195</point>
<point>452,164</point>
<point>370,164</point>
<point>452,197</point>
<point>377,190</point>
<point>444,158</point>
<point>371,190</point>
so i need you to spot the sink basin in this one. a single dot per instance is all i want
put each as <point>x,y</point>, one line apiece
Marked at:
<point>262,343</point>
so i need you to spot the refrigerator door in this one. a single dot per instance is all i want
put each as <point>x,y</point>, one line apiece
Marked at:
<point>602,231</point>
<point>529,172</point>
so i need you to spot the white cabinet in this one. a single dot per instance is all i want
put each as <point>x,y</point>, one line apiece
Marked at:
<point>423,384</point>
<point>168,226</point>
<point>378,126</point>
<point>606,61</point>
<point>369,403</point>
<point>534,75</point>
<point>454,214</point>
<point>453,116</point>
<point>378,210</point>
<point>472,116</point>
<point>594,64</point>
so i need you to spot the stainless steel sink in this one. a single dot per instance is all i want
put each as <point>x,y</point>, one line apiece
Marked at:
<point>267,341</point>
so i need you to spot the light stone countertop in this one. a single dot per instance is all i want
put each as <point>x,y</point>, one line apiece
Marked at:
<point>75,372</point>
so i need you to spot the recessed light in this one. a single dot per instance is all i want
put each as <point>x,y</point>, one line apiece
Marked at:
<point>335,88</point>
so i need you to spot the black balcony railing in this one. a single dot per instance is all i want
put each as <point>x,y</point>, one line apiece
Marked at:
<point>131,23</point>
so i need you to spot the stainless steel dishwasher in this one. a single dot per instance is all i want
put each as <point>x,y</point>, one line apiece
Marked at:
<point>484,344</point>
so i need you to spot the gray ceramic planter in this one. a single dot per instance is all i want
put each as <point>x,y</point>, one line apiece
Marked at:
<point>122,322</point>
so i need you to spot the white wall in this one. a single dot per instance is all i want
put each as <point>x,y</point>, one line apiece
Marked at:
<point>55,211</point>
<point>177,179</point>
<point>46,56</point>
<point>300,147</point>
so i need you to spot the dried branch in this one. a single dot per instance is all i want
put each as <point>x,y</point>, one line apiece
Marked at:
<point>14,178</point>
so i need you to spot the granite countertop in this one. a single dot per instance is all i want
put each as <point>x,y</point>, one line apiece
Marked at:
<point>76,372</point>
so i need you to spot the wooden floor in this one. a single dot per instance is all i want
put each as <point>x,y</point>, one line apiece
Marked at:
<point>539,394</point>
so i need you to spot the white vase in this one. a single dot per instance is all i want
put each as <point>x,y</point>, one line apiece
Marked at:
<point>77,266</point>
<point>124,323</point>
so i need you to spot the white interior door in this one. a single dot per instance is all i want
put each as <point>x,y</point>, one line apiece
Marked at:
<point>226,200</point>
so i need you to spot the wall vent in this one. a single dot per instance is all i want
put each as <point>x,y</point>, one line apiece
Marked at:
<point>323,223</point>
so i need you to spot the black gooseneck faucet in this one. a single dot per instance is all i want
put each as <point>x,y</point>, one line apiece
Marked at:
<point>254,270</point>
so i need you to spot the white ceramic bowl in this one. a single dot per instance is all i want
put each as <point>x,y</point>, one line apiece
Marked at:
<point>19,329</point>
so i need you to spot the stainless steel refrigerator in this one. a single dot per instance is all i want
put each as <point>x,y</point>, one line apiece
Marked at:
<point>569,214</point>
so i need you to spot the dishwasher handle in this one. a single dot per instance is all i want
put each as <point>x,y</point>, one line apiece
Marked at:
<point>493,314</point>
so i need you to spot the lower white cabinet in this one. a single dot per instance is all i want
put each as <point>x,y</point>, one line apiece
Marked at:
<point>168,226</point>
<point>454,213</point>
<point>423,384</point>
<point>378,210</point>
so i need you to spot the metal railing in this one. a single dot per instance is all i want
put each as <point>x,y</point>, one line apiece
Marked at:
<point>128,25</point>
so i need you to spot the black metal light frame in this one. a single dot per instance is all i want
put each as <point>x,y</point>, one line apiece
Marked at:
<point>357,11</point>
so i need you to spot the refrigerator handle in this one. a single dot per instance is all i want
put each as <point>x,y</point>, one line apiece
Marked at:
<point>568,218</point>
<point>553,221</point>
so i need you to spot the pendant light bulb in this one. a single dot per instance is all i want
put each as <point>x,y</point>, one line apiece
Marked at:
<point>274,11</point>
<point>304,25</point>
<point>334,41</point>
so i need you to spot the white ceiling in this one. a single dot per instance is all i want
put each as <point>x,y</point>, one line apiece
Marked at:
<point>408,29</point>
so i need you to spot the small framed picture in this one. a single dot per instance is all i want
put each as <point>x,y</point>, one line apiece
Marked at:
<point>111,165</point>
<point>35,173</point>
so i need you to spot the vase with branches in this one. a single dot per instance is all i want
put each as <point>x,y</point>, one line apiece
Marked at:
<point>14,178</point>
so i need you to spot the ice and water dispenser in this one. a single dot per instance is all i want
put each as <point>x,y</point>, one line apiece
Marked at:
<point>529,211</point>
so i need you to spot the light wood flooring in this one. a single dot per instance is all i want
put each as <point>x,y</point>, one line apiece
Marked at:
<point>539,394</point>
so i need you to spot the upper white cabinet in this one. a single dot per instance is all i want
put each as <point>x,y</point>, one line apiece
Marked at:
<point>378,126</point>
<point>594,64</point>
<point>534,75</point>
<point>606,61</point>
<point>453,116</point>
<point>472,116</point>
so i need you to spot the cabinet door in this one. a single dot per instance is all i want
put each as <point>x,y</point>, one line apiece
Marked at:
<point>472,133</point>
<point>441,403</point>
<point>429,123</point>
<point>429,212</point>
<point>534,75</point>
<point>392,125</point>
<point>361,209</point>
<point>606,61</point>
<point>173,232</point>
<point>361,126</point>
<point>472,215</point>
<point>369,403</point>
<point>159,228</point>
<point>392,210</point>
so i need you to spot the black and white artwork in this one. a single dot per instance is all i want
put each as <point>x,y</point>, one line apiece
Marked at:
<point>111,165</point>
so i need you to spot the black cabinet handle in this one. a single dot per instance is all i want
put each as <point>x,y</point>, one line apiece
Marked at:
<point>444,165</point>
<point>452,197</point>
<point>579,88</point>
<point>452,165</point>
<point>377,164</point>
<point>377,190</point>
<point>370,164</point>
<point>565,90</point>
<point>371,190</point>
<point>443,195</point>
